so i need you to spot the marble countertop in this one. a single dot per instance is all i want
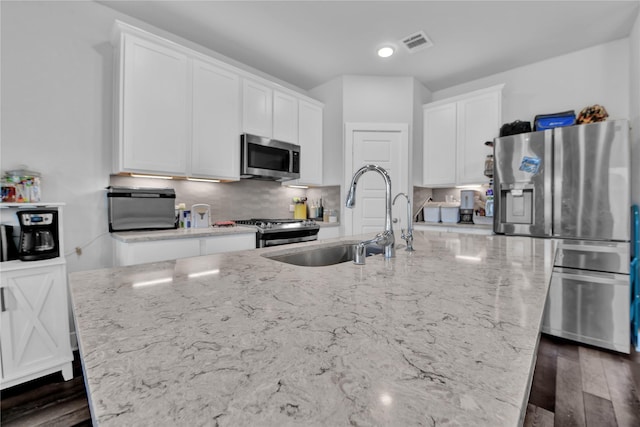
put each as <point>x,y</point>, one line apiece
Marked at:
<point>445,335</point>
<point>191,233</point>
<point>453,225</point>
<point>180,233</point>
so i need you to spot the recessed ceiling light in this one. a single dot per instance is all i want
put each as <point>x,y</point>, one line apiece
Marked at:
<point>385,52</point>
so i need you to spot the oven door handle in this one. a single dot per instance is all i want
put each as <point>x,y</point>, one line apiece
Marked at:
<point>276,242</point>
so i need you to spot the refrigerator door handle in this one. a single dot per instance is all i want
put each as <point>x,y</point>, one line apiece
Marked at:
<point>615,279</point>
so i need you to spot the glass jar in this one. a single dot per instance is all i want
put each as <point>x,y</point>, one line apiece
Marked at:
<point>488,166</point>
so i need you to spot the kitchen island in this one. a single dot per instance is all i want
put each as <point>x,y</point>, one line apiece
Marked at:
<point>445,335</point>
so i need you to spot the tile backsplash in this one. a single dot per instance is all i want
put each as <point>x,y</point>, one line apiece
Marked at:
<point>242,199</point>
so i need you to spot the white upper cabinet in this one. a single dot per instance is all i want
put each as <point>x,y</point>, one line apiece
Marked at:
<point>285,117</point>
<point>257,109</point>
<point>180,112</point>
<point>479,120</point>
<point>440,127</point>
<point>269,113</point>
<point>455,131</point>
<point>310,140</point>
<point>153,113</point>
<point>215,148</point>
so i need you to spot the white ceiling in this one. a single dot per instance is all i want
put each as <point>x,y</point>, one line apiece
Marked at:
<point>307,43</point>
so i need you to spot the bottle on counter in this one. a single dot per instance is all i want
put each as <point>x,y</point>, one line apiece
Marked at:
<point>320,212</point>
<point>181,207</point>
<point>488,206</point>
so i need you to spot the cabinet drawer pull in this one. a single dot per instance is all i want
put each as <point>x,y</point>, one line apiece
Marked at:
<point>3,308</point>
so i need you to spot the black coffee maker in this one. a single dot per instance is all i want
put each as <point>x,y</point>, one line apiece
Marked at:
<point>38,234</point>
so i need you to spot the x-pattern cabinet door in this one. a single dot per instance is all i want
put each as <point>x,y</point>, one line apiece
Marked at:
<point>35,326</point>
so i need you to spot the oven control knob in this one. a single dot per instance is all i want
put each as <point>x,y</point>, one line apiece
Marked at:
<point>261,224</point>
<point>269,225</point>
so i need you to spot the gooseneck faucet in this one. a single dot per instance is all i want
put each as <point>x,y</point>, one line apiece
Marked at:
<point>408,237</point>
<point>385,239</point>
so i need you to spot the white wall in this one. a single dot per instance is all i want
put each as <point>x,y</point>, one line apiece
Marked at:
<point>597,75</point>
<point>634,109</point>
<point>56,112</point>
<point>370,99</point>
<point>330,93</point>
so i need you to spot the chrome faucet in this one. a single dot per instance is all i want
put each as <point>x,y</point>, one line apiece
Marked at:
<point>385,239</point>
<point>408,237</point>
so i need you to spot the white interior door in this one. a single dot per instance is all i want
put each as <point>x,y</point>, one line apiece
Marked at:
<point>385,146</point>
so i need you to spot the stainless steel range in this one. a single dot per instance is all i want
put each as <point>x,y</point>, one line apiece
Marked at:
<point>274,232</point>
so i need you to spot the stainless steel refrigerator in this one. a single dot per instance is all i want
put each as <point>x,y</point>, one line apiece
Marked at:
<point>572,184</point>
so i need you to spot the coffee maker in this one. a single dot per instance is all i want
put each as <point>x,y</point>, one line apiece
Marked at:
<point>467,204</point>
<point>38,234</point>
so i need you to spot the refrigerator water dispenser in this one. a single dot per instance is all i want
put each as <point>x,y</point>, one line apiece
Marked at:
<point>517,205</point>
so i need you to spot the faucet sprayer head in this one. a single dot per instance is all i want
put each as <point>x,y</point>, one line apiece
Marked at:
<point>351,197</point>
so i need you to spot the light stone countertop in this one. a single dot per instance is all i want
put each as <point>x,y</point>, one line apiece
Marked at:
<point>180,233</point>
<point>446,335</point>
<point>453,225</point>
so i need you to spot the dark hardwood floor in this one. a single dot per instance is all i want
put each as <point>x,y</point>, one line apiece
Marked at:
<point>573,385</point>
<point>47,401</point>
<point>578,385</point>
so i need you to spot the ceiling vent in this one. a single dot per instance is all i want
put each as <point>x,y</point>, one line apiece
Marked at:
<point>416,42</point>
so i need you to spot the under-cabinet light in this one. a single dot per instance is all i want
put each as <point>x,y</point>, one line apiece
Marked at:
<point>298,186</point>
<point>469,186</point>
<point>135,175</point>
<point>203,180</point>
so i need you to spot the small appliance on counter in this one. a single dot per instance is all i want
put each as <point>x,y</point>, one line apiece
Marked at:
<point>467,205</point>
<point>8,251</point>
<point>38,234</point>
<point>200,215</point>
<point>133,208</point>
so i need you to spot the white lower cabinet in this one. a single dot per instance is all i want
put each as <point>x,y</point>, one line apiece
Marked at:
<point>34,333</point>
<point>328,233</point>
<point>132,253</point>
<point>230,243</point>
<point>155,251</point>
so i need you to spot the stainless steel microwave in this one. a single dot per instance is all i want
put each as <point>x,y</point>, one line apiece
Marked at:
<point>265,158</point>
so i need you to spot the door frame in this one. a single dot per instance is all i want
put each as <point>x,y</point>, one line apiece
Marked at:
<point>403,186</point>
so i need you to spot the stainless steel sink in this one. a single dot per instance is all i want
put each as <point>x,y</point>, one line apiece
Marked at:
<point>323,255</point>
